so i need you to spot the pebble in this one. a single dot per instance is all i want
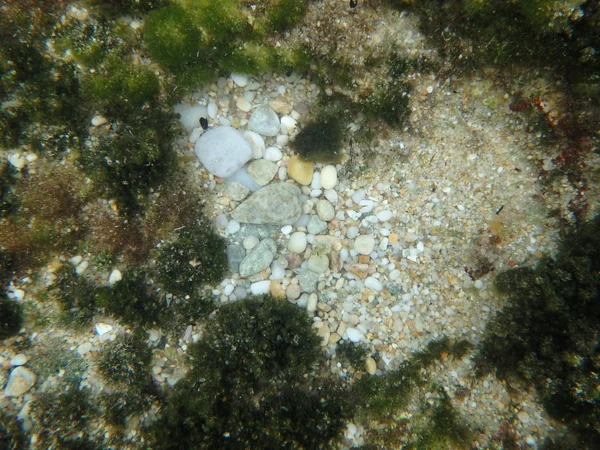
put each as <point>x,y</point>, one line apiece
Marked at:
<point>223,150</point>
<point>114,277</point>
<point>318,263</point>
<point>264,121</point>
<point>307,280</point>
<point>292,292</point>
<point>364,244</point>
<point>257,142</point>
<point>331,195</point>
<point>259,258</point>
<point>329,177</point>
<point>370,366</point>
<point>240,79</point>
<point>190,115</point>
<point>196,133</point>
<point>243,104</point>
<point>84,348</point>
<point>311,305</point>
<point>374,284</point>
<point>17,160</point>
<point>352,232</point>
<point>260,287</point>
<point>250,242</point>
<point>99,121</point>
<point>272,154</point>
<point>232,227</point>
<point>315,225</point>
<point>19,360</point>
<point>384,215</point>
<point>262,171</point>
<point>20,380</point>
<point>297,242</point>
<point>103,328</point>
<point>276,203</point>
<point>325,210</point>
<point>235,255</point>
<point>237,191</point>
<point>354,335</point>
<point>288,125</point>
<point>300,171</point>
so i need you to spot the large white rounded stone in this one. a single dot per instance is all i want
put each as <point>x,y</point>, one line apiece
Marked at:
<point>223,150</point>
<point>329,177</point>
<point>297,242</point>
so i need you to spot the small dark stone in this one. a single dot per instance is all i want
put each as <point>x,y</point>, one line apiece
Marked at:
<point>204,123</point>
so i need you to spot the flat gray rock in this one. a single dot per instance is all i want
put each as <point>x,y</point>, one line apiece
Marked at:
<point>316,225</point>
<point>259,258</point>
<point>276,203</point>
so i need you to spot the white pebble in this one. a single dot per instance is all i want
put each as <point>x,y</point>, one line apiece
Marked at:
<point>316,181</point>
<point>364,244</point>
<point>196,133</point>
<point>352,232</point>
<point>250,242</point>
<point>384,215</point>
<point>325,210</point>
<point>243,104</point>
<point>374,284</point>
<point>228,289</point>
<point>287,229</point>
<point>17,160</point>
<point>272,154</point>
<point>288,125</point>
<point>260,287</point>
<point>98,121</point>
<point>257,142</point>
<point>394,274</point>
<point>19,360</point>
<point>212,110</point>
<point>103,328</point>
<point>232,227</point>
<point>329,177</point>
<point>240,80</point>
<point>331,195</point>
<point>354,335</point>
<point>420,247</point>
<point>367,206</point>
<point>297,242</point>
<point>114,277</point>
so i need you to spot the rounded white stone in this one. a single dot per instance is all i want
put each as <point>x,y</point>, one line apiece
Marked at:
<point>297,242</point>
<point>103,328</point>
<point>257,142</point>
<point>260,287</point>
<point>228,289</point>
<point>19,360</point>
<point>264,121</point>
<point>287,229</point>
<point>394,274</point>
<point>384,215</point>
<point>240,79</point>
<point>316,181</point>
<point>212,110</point>
<point>288,125</point>
<point>196,133</point>
<point>352,232</point>
<point>354,335</point>
<point>325,210</point>
<point>329,177</point>
<point>331,195</point>
<point>99,120</point>
<point>190,114</point>
<point>114,277</point>
<point>84,348</point>
<point>250,242</point>
<point>374,284</point>
<point>364,244</point>
<point>272,154</point>
<point>232,227</point>
<point>20,381</point>
<point>370,366</point>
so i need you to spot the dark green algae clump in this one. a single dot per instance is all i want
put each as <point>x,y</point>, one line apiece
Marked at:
<point>547,335</point>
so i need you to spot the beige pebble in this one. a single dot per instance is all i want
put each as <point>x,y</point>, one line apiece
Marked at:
<point>370,366</point>
<point>300,171</point>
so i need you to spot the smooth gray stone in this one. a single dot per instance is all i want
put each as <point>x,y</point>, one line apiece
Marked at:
<point>307,280</point>
<point>316,225</point>
<point>259,258</point>
<point>235,255</point>
<point>276,203</point>
<point>264,121</point>
<point>260,231</point>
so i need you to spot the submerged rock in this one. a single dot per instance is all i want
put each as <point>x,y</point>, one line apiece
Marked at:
<point>259,258</point>
<point>223,150</point>
<point>276,203</point>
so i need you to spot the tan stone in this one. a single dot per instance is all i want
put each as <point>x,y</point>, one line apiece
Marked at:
<point>277,289</point>
<point>300,171</point>
<point>370,366</point>
<point>393,238</point>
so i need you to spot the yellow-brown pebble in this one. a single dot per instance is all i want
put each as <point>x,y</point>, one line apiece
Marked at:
<point>300,171</point>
